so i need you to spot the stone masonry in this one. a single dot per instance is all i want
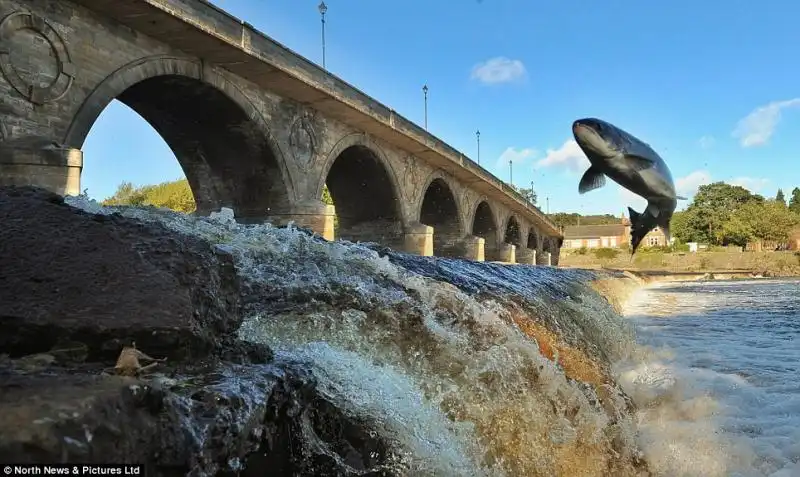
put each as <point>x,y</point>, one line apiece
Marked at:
<point>254,126</point>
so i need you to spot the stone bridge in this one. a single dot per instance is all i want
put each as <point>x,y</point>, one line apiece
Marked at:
<point>255,127</point>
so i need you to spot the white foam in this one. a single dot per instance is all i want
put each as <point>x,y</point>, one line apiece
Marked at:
<point>716,379</point>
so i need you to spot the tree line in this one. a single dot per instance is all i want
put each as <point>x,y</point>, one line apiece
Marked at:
<point>176,195</point>
<point>725,214</point>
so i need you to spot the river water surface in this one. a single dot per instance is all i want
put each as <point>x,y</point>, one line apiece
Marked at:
<point>726,354</point>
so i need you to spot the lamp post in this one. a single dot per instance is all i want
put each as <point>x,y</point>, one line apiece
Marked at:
<point>425,95</point>
<point>530,197</point>
<point>322,9</point>
<point>478,136</point>
<point>511,172</point>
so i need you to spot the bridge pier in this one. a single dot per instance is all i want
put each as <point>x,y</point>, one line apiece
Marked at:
<point>39,162</point>
<point>506,252</point>
<point>474,248</point>
<point>526,256</point>
<point>544,259</point>
<point>418,239</point>
<point>314,215</point>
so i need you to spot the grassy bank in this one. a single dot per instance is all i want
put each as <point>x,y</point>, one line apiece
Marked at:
<point>775,263</point>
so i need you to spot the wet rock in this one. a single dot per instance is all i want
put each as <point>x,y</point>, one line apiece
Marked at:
<point>106,280</point>
<point>76,288</point>
<point>231,419</point>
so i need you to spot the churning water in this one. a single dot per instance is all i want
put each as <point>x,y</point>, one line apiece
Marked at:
<point>726,355</point>
<point>480,369</point>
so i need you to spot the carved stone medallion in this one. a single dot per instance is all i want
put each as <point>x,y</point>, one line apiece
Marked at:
<point>303,142</point>
<point>34,58</point>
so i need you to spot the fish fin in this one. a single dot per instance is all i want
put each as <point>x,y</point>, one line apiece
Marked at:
<point>592,179</point>
<point>634,216</point>
<point>635,219</point>
<point>639,163</point>
<point>680,197</point>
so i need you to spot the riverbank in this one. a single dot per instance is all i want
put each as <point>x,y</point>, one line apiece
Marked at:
<point>772,264</point>
<point>289,355</point>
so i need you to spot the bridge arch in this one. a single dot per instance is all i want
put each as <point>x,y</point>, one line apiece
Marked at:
<point>484,224</point>
<point>533,239</point>
<point>439,209</point>
<point>220,139</point>
<point>513,231</point>
<point>364,192</point>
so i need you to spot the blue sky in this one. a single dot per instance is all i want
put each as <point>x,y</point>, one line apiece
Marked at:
<point>713,86</point>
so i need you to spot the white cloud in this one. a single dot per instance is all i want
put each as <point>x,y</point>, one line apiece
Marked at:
<point>637,202</point>
<point>706,142</point>
<point>498,70</point>
<point>756,128</point>
<point>515,155</point>
<point>569,156</point>
<point>753,184</point>
<point>687,185</point>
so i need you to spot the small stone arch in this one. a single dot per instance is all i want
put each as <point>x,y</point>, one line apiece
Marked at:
<point>221,140</point>
<point>483,223</point>
<point>364,190</point>
<point>439,208</point>
<point>534,239</point>
<point>512,232</point>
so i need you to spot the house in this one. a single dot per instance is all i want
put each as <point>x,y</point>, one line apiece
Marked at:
<point>596,236</point>
<point>655,238</point>
<point>610,235</point>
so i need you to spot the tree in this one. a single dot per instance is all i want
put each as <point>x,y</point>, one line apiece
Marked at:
<point>326,195</point>
<point>770,221</point>
<point>175,195</point>
<point>794,202</point>
<point>679,227</point>
<point>527,194</point>
<point>779,197</point>
<point>712,206</point>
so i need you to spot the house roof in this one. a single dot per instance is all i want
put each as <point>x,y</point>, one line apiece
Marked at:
<point>593,231</point>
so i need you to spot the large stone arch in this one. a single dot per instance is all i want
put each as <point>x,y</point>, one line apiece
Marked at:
<point>221,140</point>
<point>364,190</point>
<point>439,208</point>
<point>512,231</point>
<point>483,223</point>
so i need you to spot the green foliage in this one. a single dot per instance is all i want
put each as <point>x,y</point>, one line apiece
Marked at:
<point>563,219</point>
<point>581,251</point>
<point>527,194</point>
<point>326,195</point>
<point>679,227</point>
<point>175,195</point>
<point>794,202</point>
<point>780,197</point>
<point>606,253</point>
<point>724,214</point>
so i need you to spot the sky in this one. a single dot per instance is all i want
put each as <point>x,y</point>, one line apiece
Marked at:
<point>712,86</point>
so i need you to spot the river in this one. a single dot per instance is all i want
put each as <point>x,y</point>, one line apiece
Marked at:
<point>460,368</point>
<point>725,358</point>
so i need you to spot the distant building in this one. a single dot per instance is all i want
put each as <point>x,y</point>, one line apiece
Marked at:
<point>655,238</point>
<point>596,236</point>
<point>609,236</point>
